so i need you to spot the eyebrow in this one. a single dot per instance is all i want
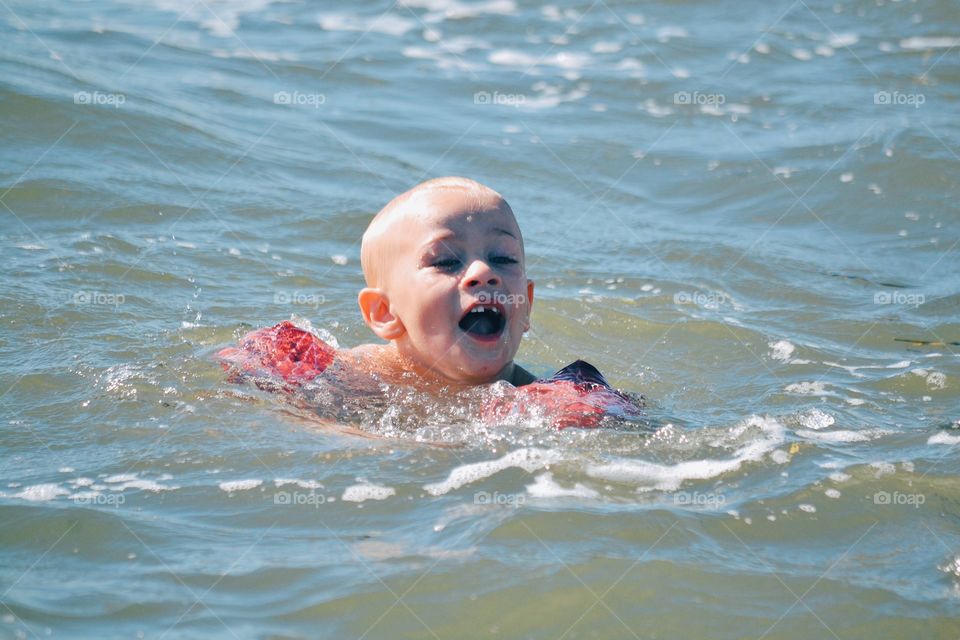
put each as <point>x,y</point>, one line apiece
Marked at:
<point>443,236</point>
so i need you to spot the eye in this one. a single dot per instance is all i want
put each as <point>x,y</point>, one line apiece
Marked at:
<point>503,260</point>
<point>445,264</point>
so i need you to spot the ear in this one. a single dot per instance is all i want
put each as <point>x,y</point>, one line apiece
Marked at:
<point>526,325</point>
<point>375,307</point>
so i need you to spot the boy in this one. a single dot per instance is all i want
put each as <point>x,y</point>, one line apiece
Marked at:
<point>446,288</point>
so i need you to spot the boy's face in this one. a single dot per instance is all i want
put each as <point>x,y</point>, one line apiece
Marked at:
<point>457,283</point>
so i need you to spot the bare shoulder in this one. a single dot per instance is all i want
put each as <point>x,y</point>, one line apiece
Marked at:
<point>365,355</point>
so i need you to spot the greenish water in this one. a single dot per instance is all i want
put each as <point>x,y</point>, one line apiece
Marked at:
<point>739,210</point>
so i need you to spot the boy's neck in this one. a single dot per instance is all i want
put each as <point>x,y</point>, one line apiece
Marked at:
<point>390,363</point>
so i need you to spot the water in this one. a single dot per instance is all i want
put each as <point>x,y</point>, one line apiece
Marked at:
<point>736,209</point>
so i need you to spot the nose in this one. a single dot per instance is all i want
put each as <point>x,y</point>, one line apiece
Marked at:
<point>479,274</point>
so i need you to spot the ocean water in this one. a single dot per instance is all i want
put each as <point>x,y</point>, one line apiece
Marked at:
<point>745,211</point>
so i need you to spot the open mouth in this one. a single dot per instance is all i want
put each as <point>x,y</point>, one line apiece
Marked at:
<point>483,321</point>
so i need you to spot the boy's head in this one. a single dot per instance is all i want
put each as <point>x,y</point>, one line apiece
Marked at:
<point>446,280</point>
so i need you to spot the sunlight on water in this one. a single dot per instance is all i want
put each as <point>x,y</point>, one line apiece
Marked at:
<point>744,213</point>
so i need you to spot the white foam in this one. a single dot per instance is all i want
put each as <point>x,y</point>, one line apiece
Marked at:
<point>832,493</point>
<point>781,350</point>
<point>240,485</point>
<point>916,44</point>
<point>943,438</point>
<point>361,492</point>
<point>552,99</point>
<point>806,388</point>
<point>632,66</point>
<point>809,508</point>
<point>816,419</point>
<point>883,468</point>
<point>455,10</point>
<point>842,436</point>
<point>839,476</point>
<point>784,172</point>
<point>387,23</point>
<point>544,486</point>
<point>41,492</point>
<point>935,379</point>
<point>120,477</point>
<point>665,34</point>
<point>670,477</point>
<point>253,54</point>
<point>801,54</point>
<point>509,57</point>
<point>145,485</point>
<point>528,459</point>
<point>66,469</point>
<point>606,47</point>
<point>563,60</point>
<point>303,484</point>
<point>839,40</point>
<point>780,456</point>
<point>656,110</point>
